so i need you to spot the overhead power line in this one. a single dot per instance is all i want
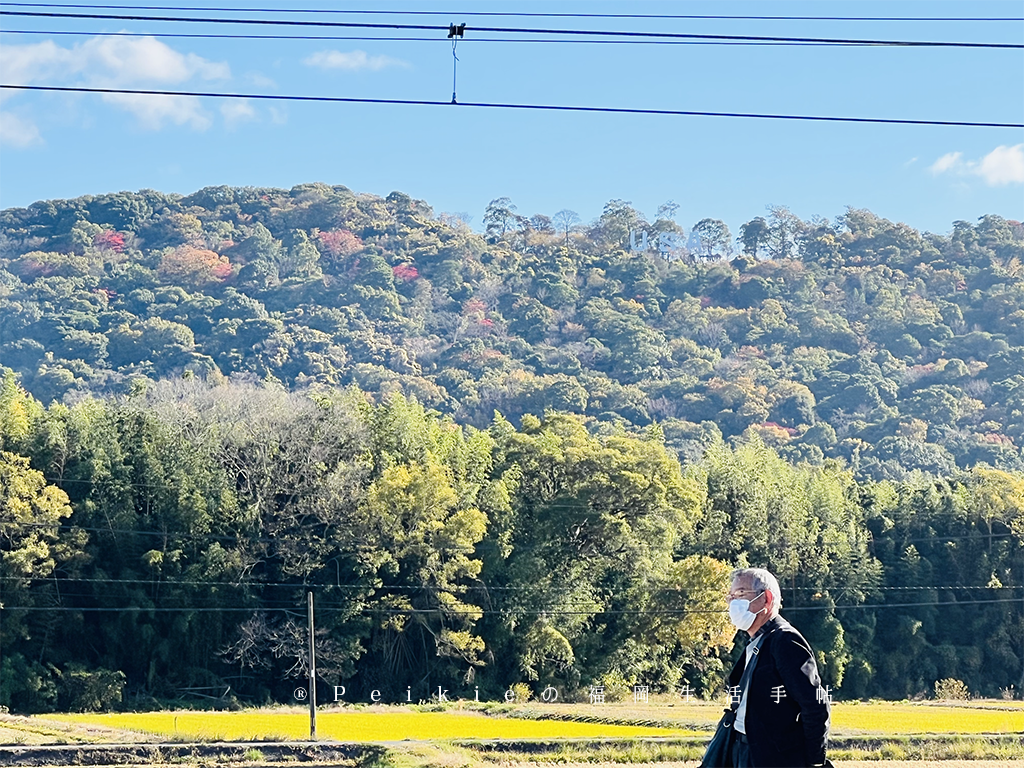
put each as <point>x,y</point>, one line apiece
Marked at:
<point>161,582</point>
<point>358,547</point>
<point>364,38</point>
<point>979,537</point>
<point>486,611</point>
<point>505,30</point>
<point>137,608</point>
<point>520,14</point>
<point>499,105</point>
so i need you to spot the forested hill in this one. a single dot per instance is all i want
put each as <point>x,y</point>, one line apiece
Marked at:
<point>160,545</point>
<point>858,338</point>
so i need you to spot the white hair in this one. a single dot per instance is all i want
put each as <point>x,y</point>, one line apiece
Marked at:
<point>761,580</point>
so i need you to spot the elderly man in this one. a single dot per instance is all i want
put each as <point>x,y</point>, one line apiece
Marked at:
<point>783,713</point>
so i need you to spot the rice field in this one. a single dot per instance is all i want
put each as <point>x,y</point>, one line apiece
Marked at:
<point>892,718</point>
<point>541,722</point>
<point>360,726</point>
<point>903,719</point>
<point>667,733</point>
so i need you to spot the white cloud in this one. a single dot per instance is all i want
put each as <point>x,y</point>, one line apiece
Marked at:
<point>351,61</point>
<point>1003,165</point>
<point>121,62</point>
<point>237,111</point>
<point>127,60</point>
<point>945,163</point>
<point>108,60</point>
<point>260,80</point>
<point>154,112</point>
<point>17,132</point>
<point>24,64</point>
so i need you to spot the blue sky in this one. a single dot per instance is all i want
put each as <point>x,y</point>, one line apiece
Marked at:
<point>458,159</point>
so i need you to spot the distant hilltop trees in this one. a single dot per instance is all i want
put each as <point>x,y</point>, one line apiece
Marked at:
<point>858,339</point>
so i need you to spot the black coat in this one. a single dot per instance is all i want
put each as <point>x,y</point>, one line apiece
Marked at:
<point>793,731</point>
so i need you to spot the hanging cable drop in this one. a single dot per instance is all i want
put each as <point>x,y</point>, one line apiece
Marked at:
<point>455,31</point>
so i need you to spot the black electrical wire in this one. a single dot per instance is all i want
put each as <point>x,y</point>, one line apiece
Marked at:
<point>485,611</point>
<point>424,588</point>
<point>949,538</point>
<point>660,16</point>
<point>135,608</point>
<point>360,38</point>
<point>505,30</point>
<point>236,538</point>
<point>499,105</point>
<point>245,538</point>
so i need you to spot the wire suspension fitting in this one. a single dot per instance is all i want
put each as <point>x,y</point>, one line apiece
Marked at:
<point>455,31</point>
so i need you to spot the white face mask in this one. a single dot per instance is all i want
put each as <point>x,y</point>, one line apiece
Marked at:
<point>740,614</point>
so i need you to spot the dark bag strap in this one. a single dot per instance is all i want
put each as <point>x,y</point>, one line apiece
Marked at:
<point>748,669</point>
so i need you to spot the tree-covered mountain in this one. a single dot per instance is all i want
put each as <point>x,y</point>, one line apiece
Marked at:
<point>858,338</point>
<point>524,456</point>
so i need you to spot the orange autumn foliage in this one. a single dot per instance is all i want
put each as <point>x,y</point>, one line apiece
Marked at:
<point>195,267</point>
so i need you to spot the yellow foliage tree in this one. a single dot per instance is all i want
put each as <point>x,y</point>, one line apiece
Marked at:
<point>193,267</point>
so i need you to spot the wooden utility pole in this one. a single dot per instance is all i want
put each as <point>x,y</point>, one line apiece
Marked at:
<point>1020,689</point>
<point>312,670</point>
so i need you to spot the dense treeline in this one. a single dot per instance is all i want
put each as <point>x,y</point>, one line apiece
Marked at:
<point>857,339</point>
<point>161,546</point>
<point>529,456</point>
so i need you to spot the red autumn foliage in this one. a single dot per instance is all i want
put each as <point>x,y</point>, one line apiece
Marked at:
<point>340,242</point>
<point>997,439</point>
<point>473,307</point>
<point>405,272</point>
<point>109,240</point>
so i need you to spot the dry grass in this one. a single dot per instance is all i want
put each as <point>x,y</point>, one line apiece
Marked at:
<point>839,764</point>
<point>15,729</point>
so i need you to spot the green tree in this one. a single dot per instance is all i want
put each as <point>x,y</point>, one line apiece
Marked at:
<point>18,411</point>
<point>754,235</point>
<point>30,515</point>
<point>713,237</point>
<point>500,217</point>
<point>590,522</point>
<point>784,230</point>
<point>302,259</point>
<point>803,524</point>
<point>425,541</point>
<point>617,220</point>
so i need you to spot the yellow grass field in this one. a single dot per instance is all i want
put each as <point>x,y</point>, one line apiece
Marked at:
<point>901,719</point>
<point>361,726</point>
<point>380,724</point>
<point>888,718</point>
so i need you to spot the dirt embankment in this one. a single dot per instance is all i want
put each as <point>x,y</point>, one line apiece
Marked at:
<point>252,754</point>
